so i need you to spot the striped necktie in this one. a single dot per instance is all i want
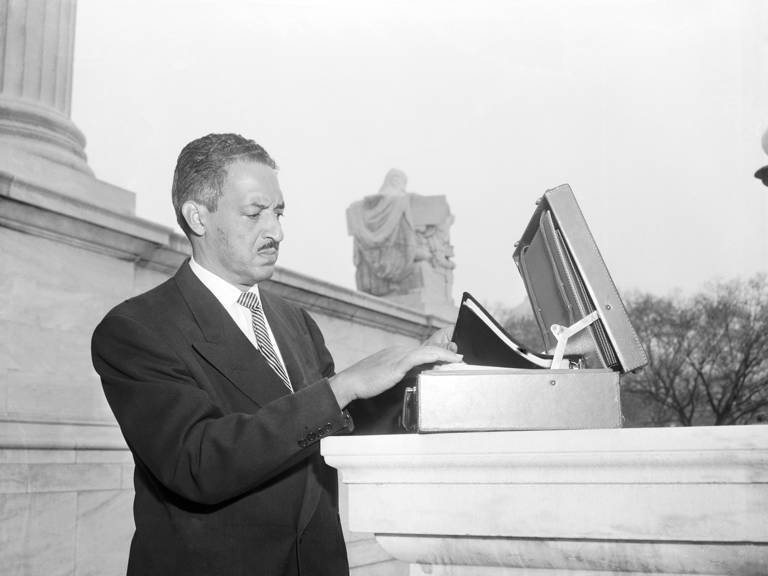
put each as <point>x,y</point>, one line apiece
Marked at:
<point>259,322</point>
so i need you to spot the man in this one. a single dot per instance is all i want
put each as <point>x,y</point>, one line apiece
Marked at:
<point>223,390</point>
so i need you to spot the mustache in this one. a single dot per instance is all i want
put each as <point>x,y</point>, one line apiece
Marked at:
<point>269,244</point>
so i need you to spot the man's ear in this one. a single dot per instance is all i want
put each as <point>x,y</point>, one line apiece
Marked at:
<point>192,212</point>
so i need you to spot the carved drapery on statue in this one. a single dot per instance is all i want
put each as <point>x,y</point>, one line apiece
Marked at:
<point>402,247</point>
<point>385,242</point>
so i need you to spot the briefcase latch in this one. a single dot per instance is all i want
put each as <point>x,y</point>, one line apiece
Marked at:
<point>410,412</point>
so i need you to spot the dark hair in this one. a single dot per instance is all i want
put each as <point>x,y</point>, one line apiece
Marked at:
<point>202,168</point>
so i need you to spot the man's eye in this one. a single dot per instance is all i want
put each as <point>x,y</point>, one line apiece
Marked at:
<point>253,215</point>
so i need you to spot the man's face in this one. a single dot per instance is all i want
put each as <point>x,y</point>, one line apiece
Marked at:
<point>242,236</point>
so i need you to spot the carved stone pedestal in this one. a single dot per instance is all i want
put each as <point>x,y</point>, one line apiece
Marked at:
<point>590,502</point>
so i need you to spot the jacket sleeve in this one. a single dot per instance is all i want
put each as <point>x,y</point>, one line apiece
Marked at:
<point>188,444</point>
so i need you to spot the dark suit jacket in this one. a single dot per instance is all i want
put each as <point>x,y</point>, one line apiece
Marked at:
<point>228,476</point>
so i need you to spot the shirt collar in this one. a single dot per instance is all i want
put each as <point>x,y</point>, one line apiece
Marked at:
<point>224,292</point>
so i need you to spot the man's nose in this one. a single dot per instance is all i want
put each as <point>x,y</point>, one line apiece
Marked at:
<point>274,229</point>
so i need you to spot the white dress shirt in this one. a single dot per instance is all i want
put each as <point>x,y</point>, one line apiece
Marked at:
<point>228,294</point>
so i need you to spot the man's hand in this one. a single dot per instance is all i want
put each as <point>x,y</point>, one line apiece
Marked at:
<point>373,375</point>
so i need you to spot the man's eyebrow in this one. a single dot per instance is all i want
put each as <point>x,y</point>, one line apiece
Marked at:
<point>260,204</point>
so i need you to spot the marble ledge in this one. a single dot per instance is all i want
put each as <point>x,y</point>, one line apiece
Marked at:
<point>321,297</point>
<point>448,556</point>
<point>576,502</point>
<point>153,246</point>
<point>33,435</point>
<point>59,399</point>
<point>43,456</point>
<point>25,172</point>
<point>309,284</point>
<point>54,457</point>
<point>733,454</point>
<point>88,227</point>
<point>50,478</point>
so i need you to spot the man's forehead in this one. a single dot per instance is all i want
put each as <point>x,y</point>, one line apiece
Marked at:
<point>249,167</point>
<point>253,181</point>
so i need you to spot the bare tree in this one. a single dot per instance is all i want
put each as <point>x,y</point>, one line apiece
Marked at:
<point>708,355</point>
<point>731,362</point>
<point>667,332</point>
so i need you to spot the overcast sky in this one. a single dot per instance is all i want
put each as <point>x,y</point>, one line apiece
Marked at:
<point>652,111</point>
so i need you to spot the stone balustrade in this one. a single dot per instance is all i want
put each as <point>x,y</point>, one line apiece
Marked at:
<point>587,502</point>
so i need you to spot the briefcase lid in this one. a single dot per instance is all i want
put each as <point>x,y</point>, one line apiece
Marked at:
<point>567,281</point>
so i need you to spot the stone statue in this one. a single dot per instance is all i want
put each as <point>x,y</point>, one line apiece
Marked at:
<point>385,240</point>
<point>402,247</point>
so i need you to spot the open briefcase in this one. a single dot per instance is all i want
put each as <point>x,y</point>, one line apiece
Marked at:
<point>589,342</point>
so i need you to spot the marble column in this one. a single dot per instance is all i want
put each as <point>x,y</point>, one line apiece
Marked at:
<point>42,152</point>
<point>68,244</point>
<point>37,39</point>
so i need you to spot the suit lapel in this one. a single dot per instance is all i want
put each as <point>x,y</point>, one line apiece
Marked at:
<point>224,346</point>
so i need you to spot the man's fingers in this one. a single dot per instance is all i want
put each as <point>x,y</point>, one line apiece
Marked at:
<point>431,354</point>
<point>380,371</point>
